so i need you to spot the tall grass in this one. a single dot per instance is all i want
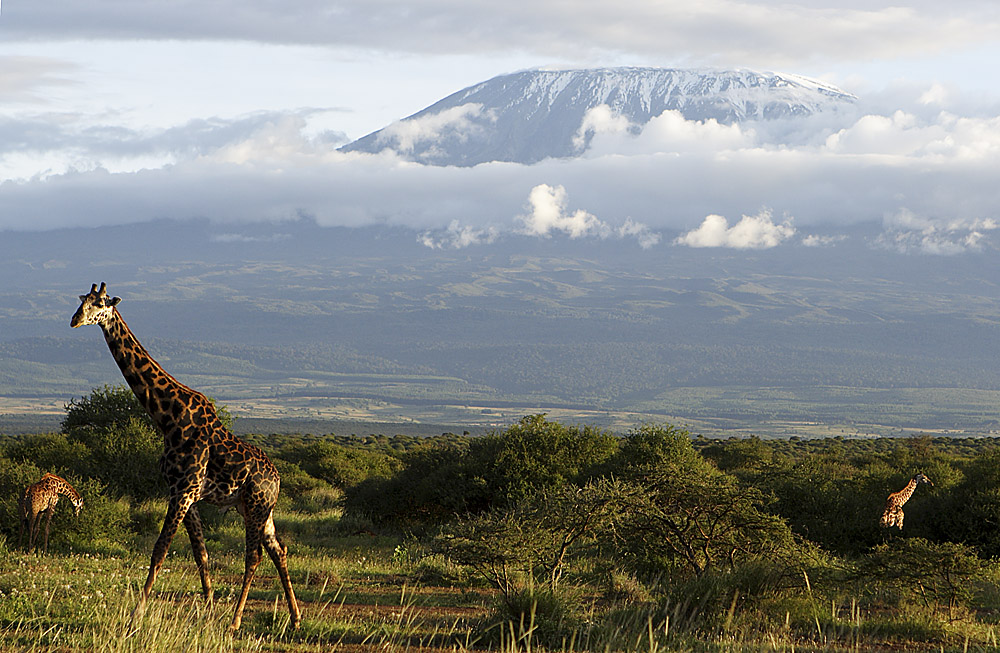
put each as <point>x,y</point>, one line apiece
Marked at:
<point>363,593</point>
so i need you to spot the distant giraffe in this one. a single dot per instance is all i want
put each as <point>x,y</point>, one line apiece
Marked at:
<point>201,461</point>
<point>893,514</point>
<point>42,497</point>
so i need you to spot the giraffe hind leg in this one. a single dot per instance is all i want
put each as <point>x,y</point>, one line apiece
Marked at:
<point>48,526</point>
<point>279,555</point>
<point>252,559</point>
<point>36,523</point>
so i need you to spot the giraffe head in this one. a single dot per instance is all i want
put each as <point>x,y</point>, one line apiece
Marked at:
<point>77,505</point>
<point>920,478</point>
<point>95,307</point>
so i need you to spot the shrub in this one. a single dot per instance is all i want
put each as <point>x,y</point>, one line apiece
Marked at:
<point>536,454</point>
<point>105,407</point>
<point>124,456</point>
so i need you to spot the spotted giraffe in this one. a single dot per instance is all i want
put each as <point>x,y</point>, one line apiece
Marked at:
<point>893,513</point>
<point>39,498</point>
<point>201,461</point>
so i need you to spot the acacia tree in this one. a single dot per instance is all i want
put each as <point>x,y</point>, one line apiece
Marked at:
<point>936,573</point>
<point>698,520</point>
<point>680,509</point>
<point>536,538</point>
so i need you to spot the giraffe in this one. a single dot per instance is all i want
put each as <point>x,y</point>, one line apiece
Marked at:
<point>893,514</point>
<point>42,497</point>
<point>201,461</point>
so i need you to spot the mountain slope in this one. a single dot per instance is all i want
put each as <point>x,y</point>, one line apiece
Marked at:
<point>531,115</point>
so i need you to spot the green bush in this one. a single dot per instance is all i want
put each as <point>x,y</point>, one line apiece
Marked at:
<point>105,407</point>
<point>124,456</point>
<point>537,454</point>
<point>102,527</point>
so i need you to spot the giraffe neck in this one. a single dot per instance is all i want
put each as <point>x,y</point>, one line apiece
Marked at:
<point>905,494</point>
<point>66,489</point>
<point>158,392</point>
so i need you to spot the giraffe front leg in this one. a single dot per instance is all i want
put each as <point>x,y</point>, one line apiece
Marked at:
<point>176,511</point>
<point>192,522</point>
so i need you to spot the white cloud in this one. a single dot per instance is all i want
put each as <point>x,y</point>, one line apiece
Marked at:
<point>815,240</point>
<point>632,229</point>
<point>599,120</point>
<point>669,132</point>
<point>272,165</point>
<point>548,214</point>
<point>405,135</point>
<point>22,77</point>
<point>458,236</point>
<point>905,231</point>
<point>751,232</point>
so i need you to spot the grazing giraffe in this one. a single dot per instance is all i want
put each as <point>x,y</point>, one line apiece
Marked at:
<point>893,514</point>
<point>42,497</point>
<point>201,461</point>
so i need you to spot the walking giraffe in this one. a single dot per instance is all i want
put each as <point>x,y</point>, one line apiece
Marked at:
<point>893,513</point>
<point>201,461</point>
<point>42,497</point>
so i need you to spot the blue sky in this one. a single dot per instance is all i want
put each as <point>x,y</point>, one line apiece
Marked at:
<point>113,112</point>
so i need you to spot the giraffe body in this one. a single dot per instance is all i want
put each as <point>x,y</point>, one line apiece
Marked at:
<point>201,461</point>
<point>893,513</point>
<point>40,499</point>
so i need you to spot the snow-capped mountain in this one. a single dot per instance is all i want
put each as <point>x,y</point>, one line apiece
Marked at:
<point>531,115</point>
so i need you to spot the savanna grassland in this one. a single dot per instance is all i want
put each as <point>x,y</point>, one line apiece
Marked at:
<point>538,536</point>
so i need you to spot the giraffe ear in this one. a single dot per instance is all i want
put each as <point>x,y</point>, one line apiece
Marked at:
<point>83,298</point>
<point>114,301</point>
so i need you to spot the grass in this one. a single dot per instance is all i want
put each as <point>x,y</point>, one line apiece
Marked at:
<point>360,592</point>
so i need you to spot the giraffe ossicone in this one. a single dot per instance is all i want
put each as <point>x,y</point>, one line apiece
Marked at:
<point>201,461</point>
<point>893,513</point>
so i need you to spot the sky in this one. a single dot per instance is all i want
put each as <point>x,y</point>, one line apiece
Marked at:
<point>116,112</point>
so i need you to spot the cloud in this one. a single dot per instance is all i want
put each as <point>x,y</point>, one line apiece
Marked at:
<point>455,122</point>
<point>751,232</point>
<point>458,236</point>
<point>608,133</point>
<point>642,233</point>
<point>723,31</point>
<point>275,165</point>
<point>905,231</point>
<point>816,240</point>
<point>22,77</point>
<point>548,214</point>
<point>600,120</point>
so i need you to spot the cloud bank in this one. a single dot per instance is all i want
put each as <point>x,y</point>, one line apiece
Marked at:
<point>928,166</point>
<point>718,31</point>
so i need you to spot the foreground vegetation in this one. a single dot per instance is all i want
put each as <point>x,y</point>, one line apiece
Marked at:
<point>540,536</point>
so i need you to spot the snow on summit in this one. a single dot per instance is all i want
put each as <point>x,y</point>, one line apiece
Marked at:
<point>528,116</point>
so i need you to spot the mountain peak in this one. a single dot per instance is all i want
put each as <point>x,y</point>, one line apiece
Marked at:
<point>531,115</point>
